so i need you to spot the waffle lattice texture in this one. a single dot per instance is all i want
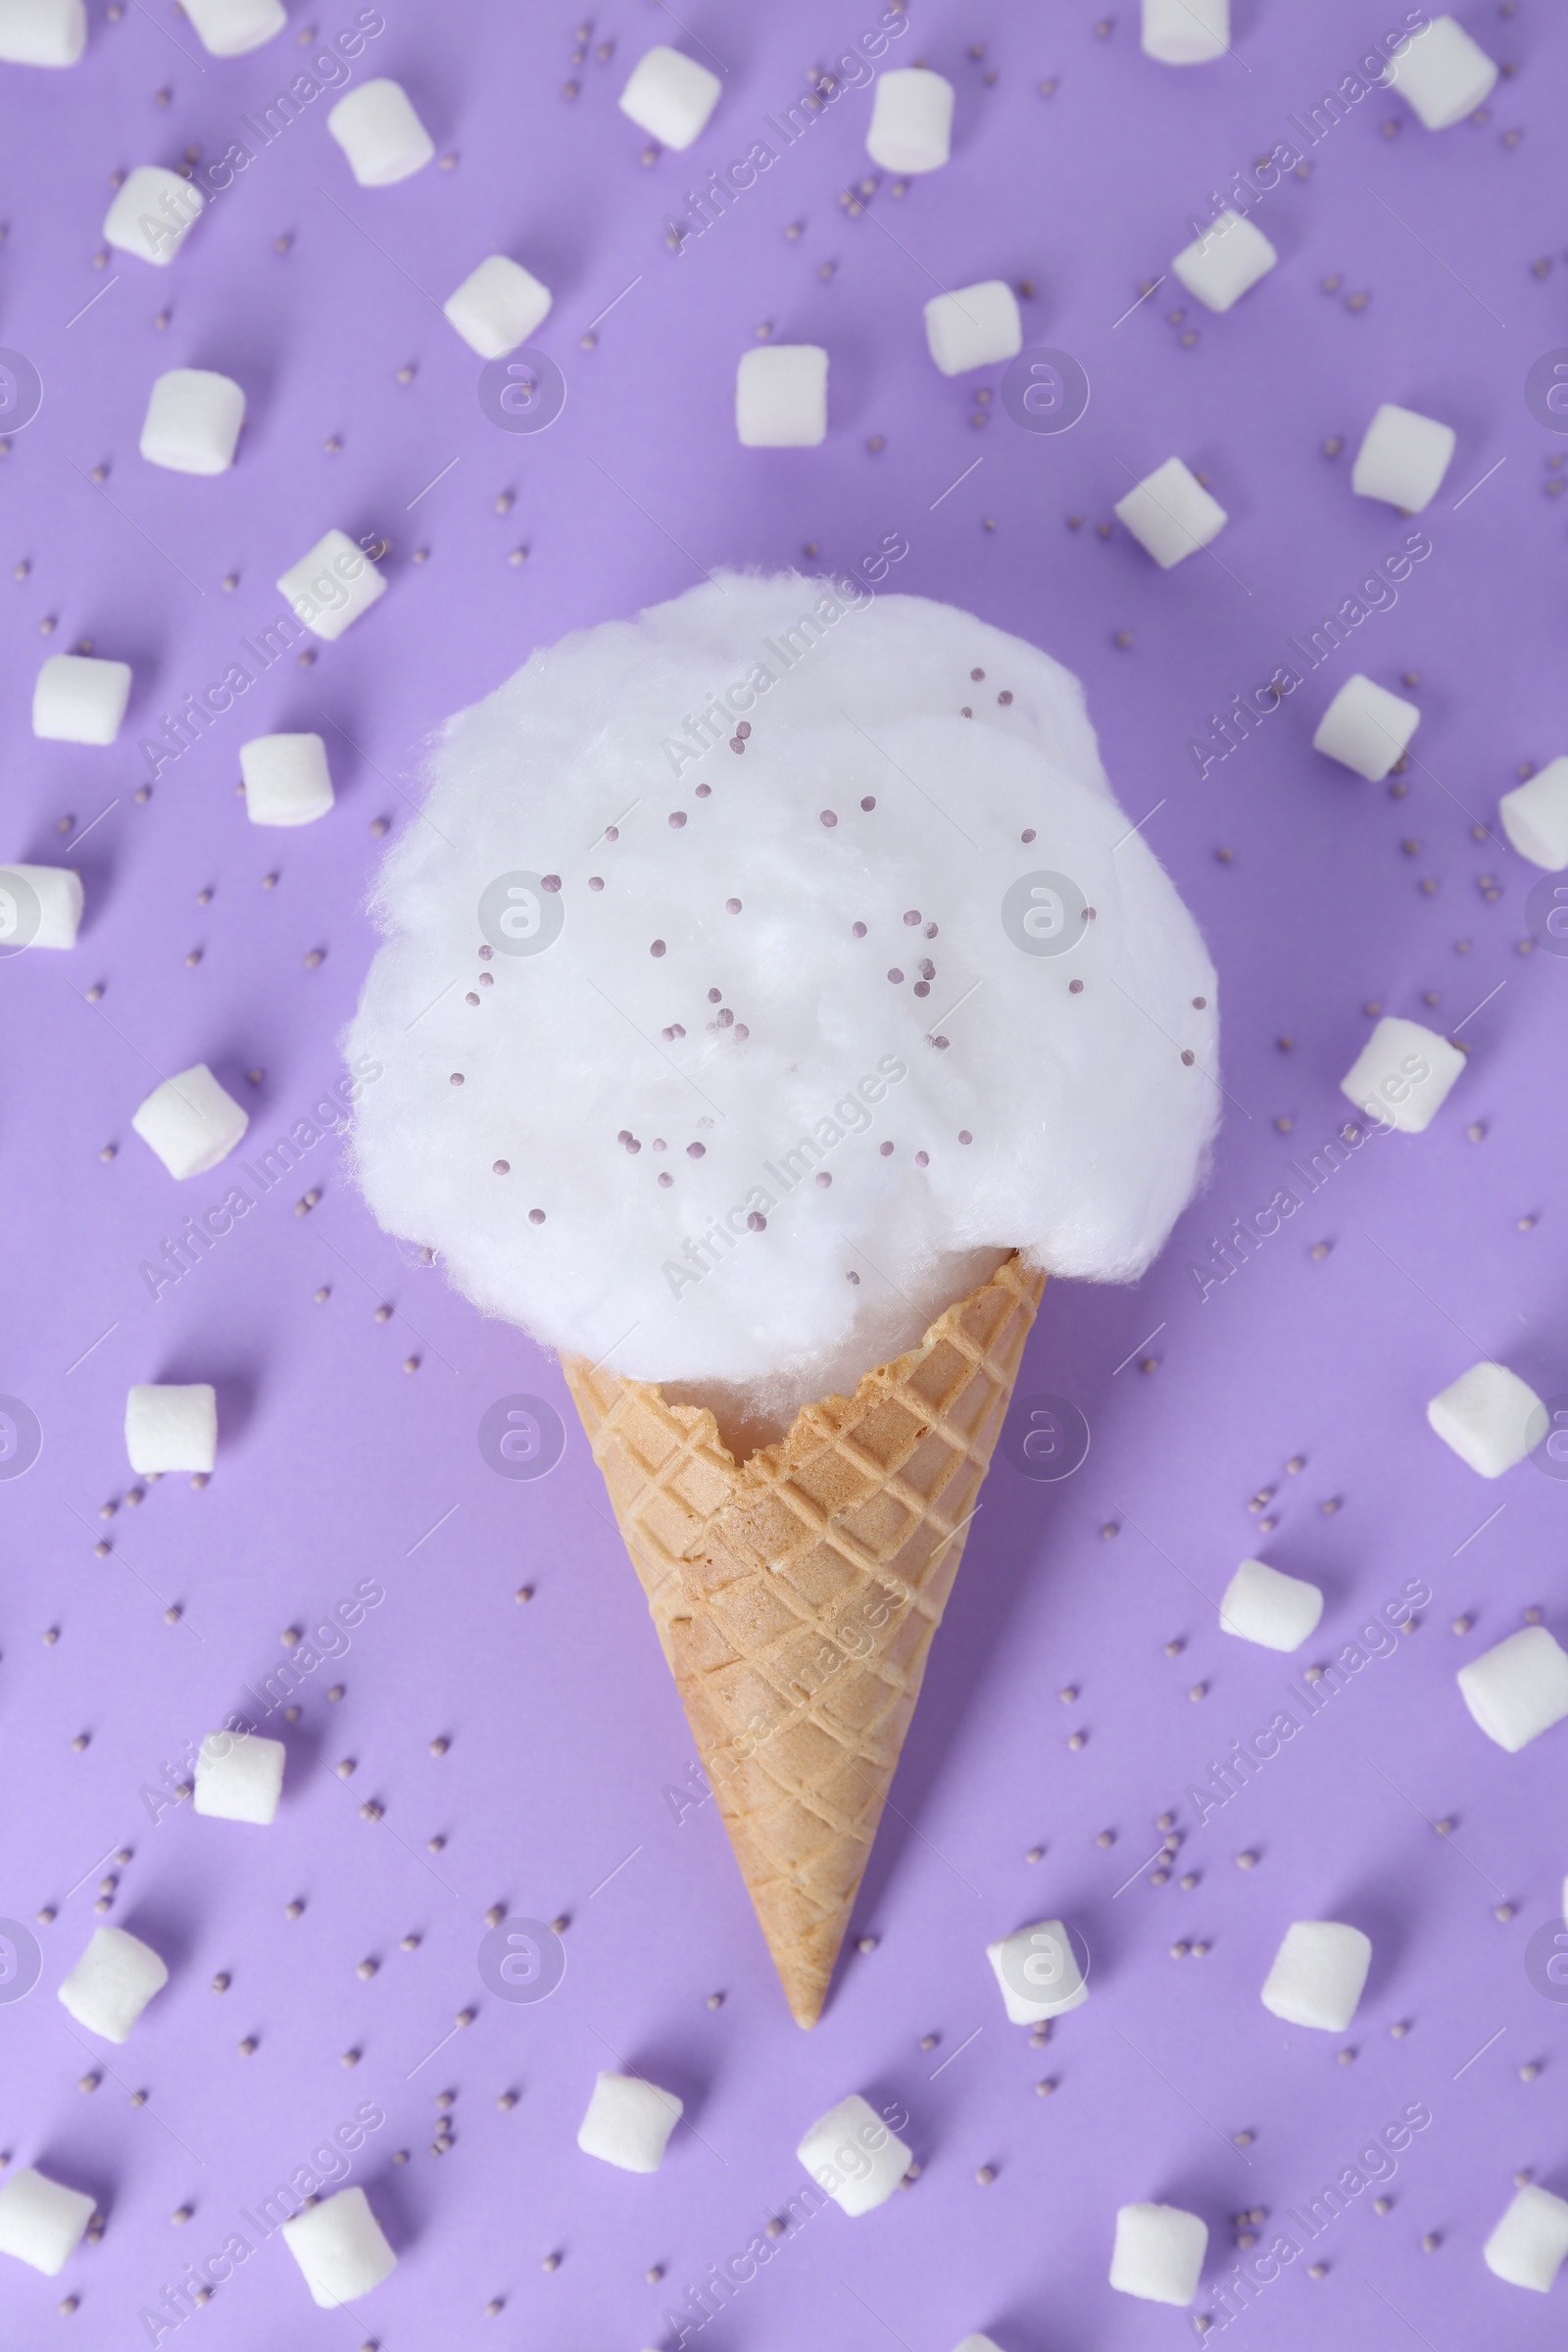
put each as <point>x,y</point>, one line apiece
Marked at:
<point>796,1595</point>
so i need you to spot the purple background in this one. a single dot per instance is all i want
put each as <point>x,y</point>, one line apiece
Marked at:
<point>336,1462</point>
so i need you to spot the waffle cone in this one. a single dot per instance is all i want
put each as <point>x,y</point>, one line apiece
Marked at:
<point>795,1594</point>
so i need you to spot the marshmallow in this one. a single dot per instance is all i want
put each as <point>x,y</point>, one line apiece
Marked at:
<point>44,902</point>
<point>239,1777</point>
<point>498,305</point>
<point>153,214</point>
<point>1518,1690</point>
<point>287,781</point>
<point>851,2153</point>
<point>190,1122</point>
<point>1535,817</point>
<point>781,396</point>
<point>1530,2243</point>
<point>1366,728</point>
<point>1172,514</point>
<point>380,132</point>
<point>332,585</point>
<point>1403,1075</point>
<point>628,2122</point>
<point>170,1428</point>
<point>42,32</point>
<point>974,326</point>
<point>1228,257</point>
<point>670,96</point>
<point>911,120</point>
<point>193,421</point>
<point>112,1983</point>
<point>979,2343</point>
<point>1318,1975</point>
<point>42,2223</point>
<point>81,699</point>
<point>1404,459</point>
<point>1186,32</point>
<point>1262,1604</point>
<point>1158,2253</point>
<point>1038,1972</point>
<point>1491,1417</point>
<point>231,27</point>
<point>1443,73</point>
<point>340,2248</point>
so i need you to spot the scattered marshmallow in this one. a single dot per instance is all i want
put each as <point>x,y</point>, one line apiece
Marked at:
<point>1172,514</point>
<point>153,213</point>
<point>340,2248</point>
<point>1404,459</point>
<point>287,781</point>
<point>851,2153</point>
<point>172,1428</point>
<point>1158,2253</point>
<point>1366,728</point>
<point>911,120</point>
<point>1491,1417</point>
<point>1403,1075</point>
<point>112,1983</point>
<point>973,327</point>
<point>1264,1605</point>
<point>1530,2243</point>
<point>781,396</point>
<point>1443,73</point>
<point>670,96</point>
<point>498,305</point>
<point>1318,1975</point>
<point>190,1122</point>
<point>42,2223</point>
<point>1186,32</point>
<point>628,2122</point>
<point>1038,1972</point>
<point>979,2343</point>
<point>193,421</point>
<point>52,913</point>
<point>239,1777</point>
<point>78,699</point>
<point>1535,817</point>
<point>1221,264</point>
<point>380,132</point>
<point>332,585</point>
<point>1519,1688</point>
<point>42,32</point>
<point>232,27</point>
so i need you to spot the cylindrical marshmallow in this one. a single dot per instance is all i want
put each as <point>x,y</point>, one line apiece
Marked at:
<point>332,585</point>
<point>1319,1975</point>
<point>1038,1972</point>
<point>851,2153</point>
<point>153,213</point>
<point>172,1427</point>
<point>40,2221</point>
<point>1186,32</point>
<point>42,32</point>
<point>1404,459</point>
<point>911,120</point>
<point>781,396</point>
<point>78,699</point>
<point>1172,514</point>
<point>1535,816</point>
<point>1366,728</point>
<point>1403,1075</point>
<point>1530,2243</point>
<point>1443,73</point>
<point>628,2122</point>
<point>231,27</point>
<point>670,96</point>
<point>380,132</point>
<point>1225,261</point>
<point>190,1122</point>
<point>1491,1417</point>
<point>40,906</point>
<point>340,2248</point>
<point>974,328</point>
<point>287,781</point>
<point>1262,1604</point>
<point>1158,2253</point>
<point>1518,1688</point>
<point>239,1777</point>
<point>193,421</point>
<point>112,1983</point>
<point>498,305</point>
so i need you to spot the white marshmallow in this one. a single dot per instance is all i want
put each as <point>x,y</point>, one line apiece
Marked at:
<point>153,214</point>
<point>974,326</point>
<point>53,912</point>
<point>232,27</point>
<point>670,96</point>
<point>172,1428</point>
<point>628,2122</point>
<point>1318,1975</point>
<point>1491,1417</point>
<point>1404,459</point>
<point>851,2153</point>
<point>979,2343</point>
<point>380,132</point>
<point>42,32</point>
<point>1186,32</point>
<point>781,396</point>
<point>332,585</point>
<point>1264,1605</point>
<point>1530,2243</point>
<point>42,2223</point>
<point>1535,817</point>
<point>1158,2253</point>
<point>112,1983</point>
<point>1038,1972</point>
<point>1221,264</point>
<point>911,120</point>
<point>1443,73</point>
<point>78,699</point>
<point>193,421</point>
<point>1403,1075</point>
<point>498,305</point>
<point>1366,728</point>
<point>1172,514</point>
<point>190,1122</point>
<point>239,1777</point>
<point>1519,1688</point>
<point>340,2248</point>
<point>287,781</point>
